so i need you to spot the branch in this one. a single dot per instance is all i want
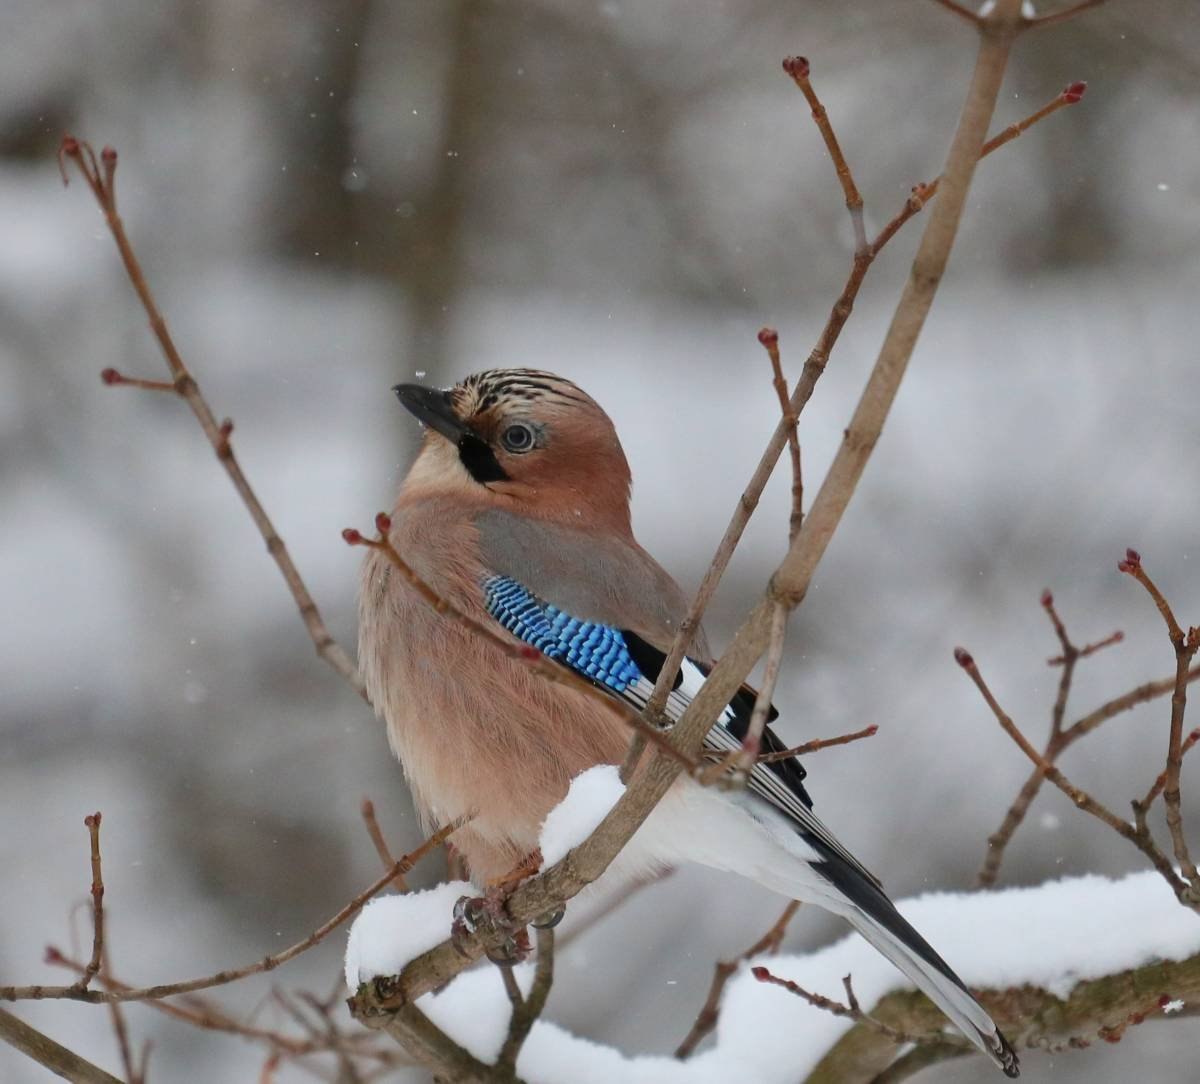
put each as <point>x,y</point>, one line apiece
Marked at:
<point>770,340</point>
<point>813,368</point>
<point>431,1046</point>
<point>1033,1018</point>
<point>791,579</point>
<point>380,844</point>
<point>222,978</point>
<point>797,67</point>
<point>723,971</point>
<point>100,178</point>
<point>1136,834</point>
<point>1058,741</point>
<point>526,1011</point>
<point>1185,647</point>
<point>45,1051</point>
<point>92,823</point>
<point>818,744</point>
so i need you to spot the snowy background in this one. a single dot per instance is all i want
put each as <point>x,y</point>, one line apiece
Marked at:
<point>331,197</point>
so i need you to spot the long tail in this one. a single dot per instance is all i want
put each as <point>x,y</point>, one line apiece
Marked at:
<point>876,918</point>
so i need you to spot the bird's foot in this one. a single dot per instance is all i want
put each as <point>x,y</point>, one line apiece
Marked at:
<point>488,915</point>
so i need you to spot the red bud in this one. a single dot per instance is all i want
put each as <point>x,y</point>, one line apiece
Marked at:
<point>111,376</point>
<point>383,522</point>
<point>1074,92</point>
<point>70,145</point>
<point>351,536</point>
<point>1132,562</point>
<point>109,155</point>
<point>768,336</point>
<point>796,66</point>
<point>963,657</point>
<point>760,973</point>
<point>1047,598</point>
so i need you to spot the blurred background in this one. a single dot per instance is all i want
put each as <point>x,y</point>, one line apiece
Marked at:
<point>330,197</point>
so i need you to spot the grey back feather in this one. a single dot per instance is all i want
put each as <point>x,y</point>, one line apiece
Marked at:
<point>593,577</point>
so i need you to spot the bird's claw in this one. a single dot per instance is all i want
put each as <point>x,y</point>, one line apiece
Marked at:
<point>486,914</point>
<point>550,919</point>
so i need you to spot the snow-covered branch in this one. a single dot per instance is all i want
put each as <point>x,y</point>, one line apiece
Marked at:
<point>1065,963</point>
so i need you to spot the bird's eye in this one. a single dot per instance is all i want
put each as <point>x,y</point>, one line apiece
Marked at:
<point>517,438</point>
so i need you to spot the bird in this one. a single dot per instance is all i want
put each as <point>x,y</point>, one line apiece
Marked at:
<point>516,512</point>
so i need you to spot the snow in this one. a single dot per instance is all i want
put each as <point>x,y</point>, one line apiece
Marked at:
<point>1052,936</point>
<point>392,930</point>
<point>592,794</point>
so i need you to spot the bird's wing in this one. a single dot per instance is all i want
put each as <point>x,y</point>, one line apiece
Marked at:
<point>607,610</point>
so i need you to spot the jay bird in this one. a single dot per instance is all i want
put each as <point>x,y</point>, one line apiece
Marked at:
<point>516,511</point>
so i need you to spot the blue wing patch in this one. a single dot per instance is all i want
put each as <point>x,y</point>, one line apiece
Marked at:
<point>596,651</point>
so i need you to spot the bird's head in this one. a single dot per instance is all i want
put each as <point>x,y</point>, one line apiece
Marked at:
<point>520,437</point>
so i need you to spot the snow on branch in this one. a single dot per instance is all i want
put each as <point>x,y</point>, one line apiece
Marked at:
<point>1063,963</point>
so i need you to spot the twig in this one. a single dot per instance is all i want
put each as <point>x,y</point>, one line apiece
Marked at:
<point>770,340</point>
<point>1185,646</point>
<point>790,582</point>
<point>100,178</point>
<point>853,1010</point>
<point>1039,21</point>
<point>723,971</point>
<point>381,847</point>
<point>813,368</point>
<point>817,744</point>
<point>961,11</point>
<point>92,823</point>
<point>1082,799</point>
<point>525,1011</point>
<point>923,192</point>
<point>740,761</point>
<point>221,978</point>
<point>45,1051</point>
<point>524,653</point>
<point>133,1074</point>
<point>1156,787</point>
<point>1057,742</point>
<point>798,68</point>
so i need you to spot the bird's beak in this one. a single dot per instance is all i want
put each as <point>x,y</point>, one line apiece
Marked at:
<point>432,407</point>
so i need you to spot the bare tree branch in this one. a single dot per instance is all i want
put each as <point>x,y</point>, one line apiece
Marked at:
<point>45,1051</point>
<point>221,978</point>
<point>100,178</point>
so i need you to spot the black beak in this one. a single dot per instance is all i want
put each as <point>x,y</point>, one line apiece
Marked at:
<point>433,407</point>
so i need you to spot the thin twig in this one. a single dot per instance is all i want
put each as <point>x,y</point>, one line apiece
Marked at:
<point>1156,788</point>
<point>1058,741</point>
<point>817,744</point>
<point>723,971</point>
<point>100,179</point>
<point>769,337</point>
<point>525,1011</point>
<point>853,1010</point>
<point>221,978</point>
<point>381,847</point>
<point>1185,646</point>
<point>92,823</point>
<point>1082,799</point>
<point>961,11</point>
<point>133,1074</point>
<point>1054,17</point>
<point>798,68</point>
<point>524,653</point>
<point>740,761</point>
